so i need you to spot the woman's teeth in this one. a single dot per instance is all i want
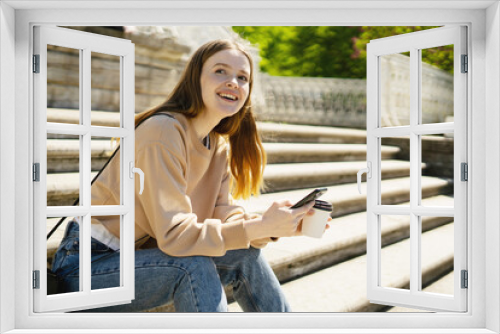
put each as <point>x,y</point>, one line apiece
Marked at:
<point>228,97</point>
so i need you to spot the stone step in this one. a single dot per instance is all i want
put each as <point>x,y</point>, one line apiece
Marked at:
<point>280,177</point>
<point>353,222</point>
<point>63,154</point>
<point>300,153</point>
<point>289,133</point>
<point>342,287</point>
<point>62,188</point>
<point>346,198</point>
<point>72,116</point>
<point>270,132</point>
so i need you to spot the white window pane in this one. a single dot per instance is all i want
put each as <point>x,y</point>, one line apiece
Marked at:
<point>395,89</point>
<point>63,169</point>
<point>395,260</point>
<point>105,89</point>
<point>63,84</point>
<point>106,257</point>
<point>102,150</point>
<point>60,262</point>
<point>437,152</point>
<point>437,253</point>
<point>395,173</point>
<point>437,84</point>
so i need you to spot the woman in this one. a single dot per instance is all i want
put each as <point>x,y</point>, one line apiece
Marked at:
<point>191,241</point>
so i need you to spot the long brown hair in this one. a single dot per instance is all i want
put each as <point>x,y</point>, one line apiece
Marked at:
<point>247,157</point>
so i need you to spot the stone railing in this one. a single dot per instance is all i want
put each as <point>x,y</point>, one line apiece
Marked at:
<point>436,94</point>
<point>314,101</point>
<point>342,102</point>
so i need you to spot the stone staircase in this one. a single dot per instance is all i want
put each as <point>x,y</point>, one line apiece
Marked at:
<point>318,275</point>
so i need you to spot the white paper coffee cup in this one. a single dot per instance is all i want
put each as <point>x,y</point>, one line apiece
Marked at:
<point>314,225</point>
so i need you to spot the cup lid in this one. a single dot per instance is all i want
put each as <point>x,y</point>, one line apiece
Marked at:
<point>323,205</point>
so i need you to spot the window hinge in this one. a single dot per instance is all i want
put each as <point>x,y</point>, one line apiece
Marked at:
<point>465,64</point>
<point>36,279</point>
<point>36,172</point>
<point>465,171</point>
<point>465,279</point>
<point>36,63</point>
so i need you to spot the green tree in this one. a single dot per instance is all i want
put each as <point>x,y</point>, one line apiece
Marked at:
<point>440,57</point>
<point>327,51</point>
<point>305,51</point>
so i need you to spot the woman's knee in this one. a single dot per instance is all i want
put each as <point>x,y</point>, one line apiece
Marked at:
<point>241,258</point>
<point>191,265</point>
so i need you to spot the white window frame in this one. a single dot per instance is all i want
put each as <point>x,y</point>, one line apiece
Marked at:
<point>414,297</point>
<point>16,21</point>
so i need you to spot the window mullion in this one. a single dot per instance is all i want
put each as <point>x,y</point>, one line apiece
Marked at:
<point>434,129</point>
<point>127,155</point>
<point>398,131</point>
<point>373,183</point>
<point>85,170</point>
<point>415,267</point>
<point>98,131</point>
<point>124,255</point>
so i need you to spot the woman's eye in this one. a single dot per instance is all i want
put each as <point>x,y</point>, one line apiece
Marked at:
<point>221,71</point>
<point>243,78</point>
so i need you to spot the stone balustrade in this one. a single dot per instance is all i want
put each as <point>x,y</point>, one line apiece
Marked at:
<point>314,101</point>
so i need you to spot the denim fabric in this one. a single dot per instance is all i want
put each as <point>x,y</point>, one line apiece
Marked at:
<point>193,283</point>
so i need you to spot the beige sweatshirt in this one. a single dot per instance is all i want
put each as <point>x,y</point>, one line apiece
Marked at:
<point>186,205</point>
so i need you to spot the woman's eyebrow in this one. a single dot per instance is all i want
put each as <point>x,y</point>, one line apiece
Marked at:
<point>226,65</point>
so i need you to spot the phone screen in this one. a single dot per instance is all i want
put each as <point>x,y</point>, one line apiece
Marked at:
<point>315,194</point>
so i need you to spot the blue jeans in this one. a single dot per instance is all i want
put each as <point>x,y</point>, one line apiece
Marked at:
<point>193,283</point>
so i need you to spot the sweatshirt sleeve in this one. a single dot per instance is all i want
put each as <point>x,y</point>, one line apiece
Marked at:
<point>227,212</point>
<point>168,209</point>
<point>257,243</point>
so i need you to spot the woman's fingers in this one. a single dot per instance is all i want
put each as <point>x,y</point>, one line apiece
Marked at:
<point>282,203</point>
<point>303,210</point>
<point>298,230</point>
<point>299,214</point>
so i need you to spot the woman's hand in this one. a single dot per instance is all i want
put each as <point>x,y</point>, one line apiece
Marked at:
<point>280,220</point>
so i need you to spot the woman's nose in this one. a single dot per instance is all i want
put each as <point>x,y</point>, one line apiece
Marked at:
<point>232,84</point>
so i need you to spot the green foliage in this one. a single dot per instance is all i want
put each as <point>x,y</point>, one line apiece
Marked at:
<point>441,57</point>
<point>304,50</point>
<point>326,51</point>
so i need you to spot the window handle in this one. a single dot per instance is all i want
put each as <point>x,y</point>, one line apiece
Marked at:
<point>368,172</point>
<point>141,175</point>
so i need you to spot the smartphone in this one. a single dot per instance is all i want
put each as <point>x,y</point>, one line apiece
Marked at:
<point>315,194</point>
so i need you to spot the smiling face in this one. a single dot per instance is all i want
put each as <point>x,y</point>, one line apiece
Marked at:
<point>225,83</point>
